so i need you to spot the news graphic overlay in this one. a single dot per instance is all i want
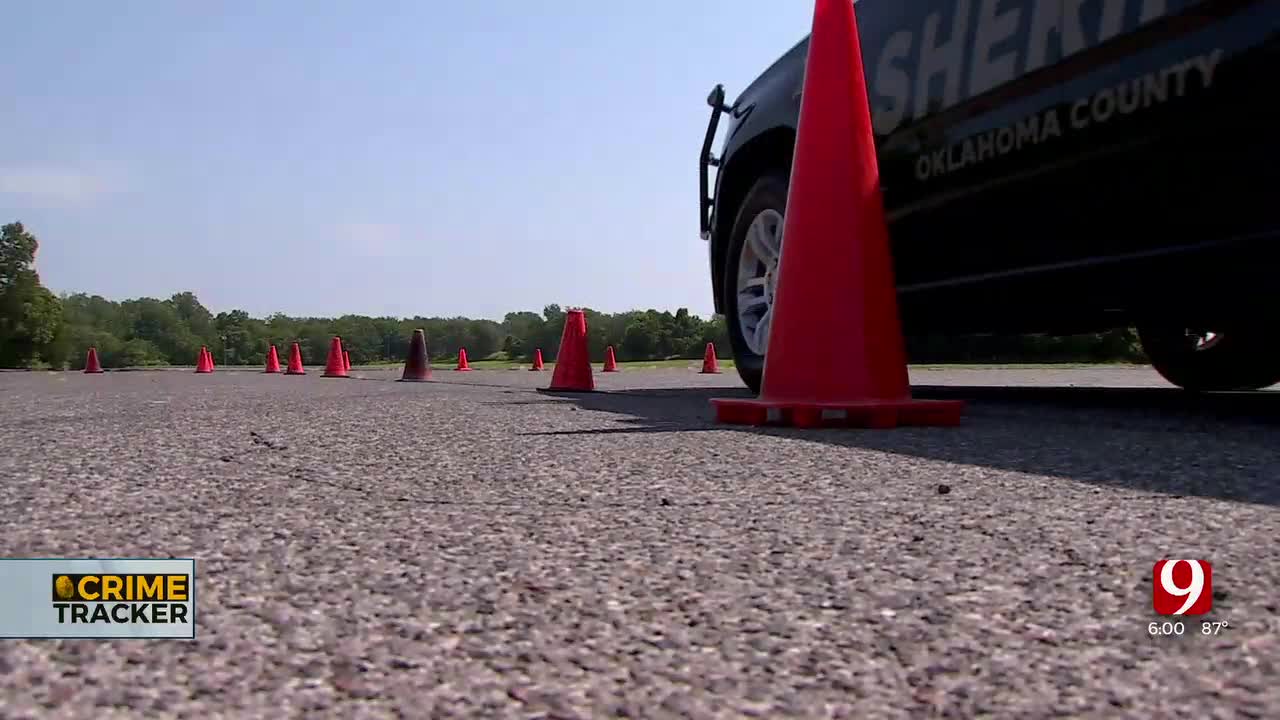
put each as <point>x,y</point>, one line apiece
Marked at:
<point>98,598</point>
<point>1182,587</point>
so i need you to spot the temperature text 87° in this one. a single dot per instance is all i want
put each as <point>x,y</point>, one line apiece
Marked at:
<point>1214,627</point>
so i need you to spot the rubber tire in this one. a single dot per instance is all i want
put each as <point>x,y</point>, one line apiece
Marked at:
<point>1245,358</point>
<point>769,192</point>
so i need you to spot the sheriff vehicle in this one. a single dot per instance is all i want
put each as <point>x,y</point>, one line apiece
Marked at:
<point>1048,166</point>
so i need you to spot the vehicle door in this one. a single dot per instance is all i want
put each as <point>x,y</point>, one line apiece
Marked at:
<point>966,110</point>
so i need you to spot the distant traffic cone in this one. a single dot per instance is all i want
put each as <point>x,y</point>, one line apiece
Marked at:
<point>295,361</point>
<point>273,361</point>
<point>610,361</point>
<point>537,360</point>
<point>417,367</point>
<point>204,364</point>
<point>334,367</point>
<point>710,366</point>
<point>346,359</point>
<point>573,366</point>
<point>844,357</point>
<point>463,366</point>
<point>91,364</point>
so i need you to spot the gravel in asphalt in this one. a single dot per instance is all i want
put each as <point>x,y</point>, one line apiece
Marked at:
<point>472,548</point>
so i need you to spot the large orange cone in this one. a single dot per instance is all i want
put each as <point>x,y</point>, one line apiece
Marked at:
<point>463,366</point>
<point>295,361</point>
<point>334,367</point>
<point>573,366</point>
<point>537,360</point>
<point>835,345</point>
<point>710,366</point>
<point>91,364</point>
<point>417,367</point>
<point>204,364</point>
<point>610,360</point>
<point>273,361</point>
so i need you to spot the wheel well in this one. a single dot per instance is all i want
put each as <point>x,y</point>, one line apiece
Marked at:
<point>770,150</point>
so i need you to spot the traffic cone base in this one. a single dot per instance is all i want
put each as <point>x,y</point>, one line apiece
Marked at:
<point>835,363</point>
<point>417,367</point>
<point>878,414</point>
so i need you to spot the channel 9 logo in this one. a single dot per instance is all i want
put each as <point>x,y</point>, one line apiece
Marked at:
<point>97,598</point>
<point>1182,587</point>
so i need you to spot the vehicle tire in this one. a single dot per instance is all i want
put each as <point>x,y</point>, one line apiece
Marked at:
<point>750,273</point>
<point>1241,358</point>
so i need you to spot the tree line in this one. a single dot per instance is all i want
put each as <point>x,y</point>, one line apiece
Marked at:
<point>39,329</point>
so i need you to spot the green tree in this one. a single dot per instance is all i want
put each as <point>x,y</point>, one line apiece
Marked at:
<point>158,323</point>
<point>198,319</point>
<point>642,338</point>
<point>140,353</point>
<point>30,315</point>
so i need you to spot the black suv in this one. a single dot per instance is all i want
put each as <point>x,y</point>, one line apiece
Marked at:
<point>1049,166</point>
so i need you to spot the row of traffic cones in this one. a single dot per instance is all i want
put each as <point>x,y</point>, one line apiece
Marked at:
<point>573,367</point>
<point>417,365</point>
<point>337,365</point>
<point>710,365</point>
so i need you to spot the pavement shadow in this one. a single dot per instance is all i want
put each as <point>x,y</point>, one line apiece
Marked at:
<point>1149,439</point>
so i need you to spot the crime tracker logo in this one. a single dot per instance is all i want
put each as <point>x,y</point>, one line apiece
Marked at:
<point>98,598</point>
<point>152,599</point>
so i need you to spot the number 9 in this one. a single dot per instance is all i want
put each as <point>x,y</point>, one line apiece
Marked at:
<point>1191,592</point>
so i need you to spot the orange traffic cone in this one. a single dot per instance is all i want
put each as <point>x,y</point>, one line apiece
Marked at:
<point>204,364</point>
<point>295,361</point>
<point>346,359</point>
<point>573,366</point>
<point>273,361</point>
<point>710,366</point>
<point>462,361</point>
<point>537,360</point>
<point>610,361</point>
<point>91,364</point>
<point>334,367</point>
<point>823,357</point>
<point>417,367</point>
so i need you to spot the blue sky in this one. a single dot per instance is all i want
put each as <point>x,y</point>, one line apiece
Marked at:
<point>400,158</point>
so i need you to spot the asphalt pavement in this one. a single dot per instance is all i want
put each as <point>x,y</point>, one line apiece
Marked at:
<point>471,547</point>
